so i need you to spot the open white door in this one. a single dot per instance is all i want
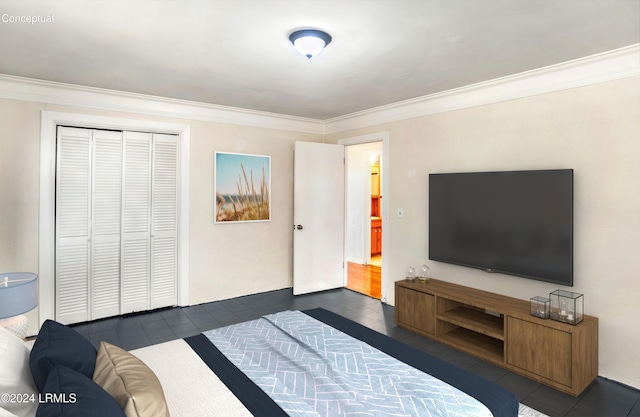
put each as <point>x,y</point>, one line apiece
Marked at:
<point>318,216</point>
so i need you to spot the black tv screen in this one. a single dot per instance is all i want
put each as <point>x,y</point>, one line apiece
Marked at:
<point>516,222</point>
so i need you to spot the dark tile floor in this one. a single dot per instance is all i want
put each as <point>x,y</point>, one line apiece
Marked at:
<point>603,398</point>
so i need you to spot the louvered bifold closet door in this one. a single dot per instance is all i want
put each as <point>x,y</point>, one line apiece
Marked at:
<point>106,216</point>
<point>88,208</point>
<point>136,268</point>
<point>164,220</point>
<point>116,223</point>
<point>73,205</point>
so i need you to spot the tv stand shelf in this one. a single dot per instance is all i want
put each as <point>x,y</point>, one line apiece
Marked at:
<point>500,330</point>
<point>473,320</point>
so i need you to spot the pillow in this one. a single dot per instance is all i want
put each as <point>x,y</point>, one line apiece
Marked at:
<point>15,378</point>
<point>133,385</point>
<point>58,344</point>
<point>68,393</point>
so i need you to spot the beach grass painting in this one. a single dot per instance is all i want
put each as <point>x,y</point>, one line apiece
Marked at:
<point>242,187</point>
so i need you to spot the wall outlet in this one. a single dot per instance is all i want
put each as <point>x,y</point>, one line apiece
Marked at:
<point>400,213</point>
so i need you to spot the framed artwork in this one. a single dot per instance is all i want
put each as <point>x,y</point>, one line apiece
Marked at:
<point>242,188</point>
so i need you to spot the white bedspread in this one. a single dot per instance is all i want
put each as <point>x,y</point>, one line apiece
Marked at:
<point>190,388</point>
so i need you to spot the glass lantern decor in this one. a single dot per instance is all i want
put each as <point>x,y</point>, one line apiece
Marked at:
<point>410,274</point>
<point>423,273</point>
<point>540,307</point>
<point>567,306</point>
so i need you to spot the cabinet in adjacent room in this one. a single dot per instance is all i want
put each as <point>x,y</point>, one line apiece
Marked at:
<point>375,180</point>
<point>376,220</point>
<point>376,236</point>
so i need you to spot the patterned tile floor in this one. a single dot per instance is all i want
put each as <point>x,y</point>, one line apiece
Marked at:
<point>604,397</point>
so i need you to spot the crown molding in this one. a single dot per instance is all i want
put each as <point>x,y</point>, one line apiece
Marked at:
<point>49,92</point>
<point>607,66</point>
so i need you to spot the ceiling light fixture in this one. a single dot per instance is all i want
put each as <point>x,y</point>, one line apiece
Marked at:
<point>310,42</point>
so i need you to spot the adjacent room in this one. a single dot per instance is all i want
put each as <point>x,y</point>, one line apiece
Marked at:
<point>451,188</point>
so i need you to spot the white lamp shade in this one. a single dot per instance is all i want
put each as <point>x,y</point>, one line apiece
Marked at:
<point>18,293</point>
<point>309,42</point>
<point>309,46</point>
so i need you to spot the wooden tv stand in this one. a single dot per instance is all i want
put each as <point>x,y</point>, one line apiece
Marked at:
<point>501,330</point>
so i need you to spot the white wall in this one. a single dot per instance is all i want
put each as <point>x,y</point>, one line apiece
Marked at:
<point>596,131</point>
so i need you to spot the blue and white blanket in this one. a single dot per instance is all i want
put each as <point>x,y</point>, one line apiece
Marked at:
<point>311,369</point>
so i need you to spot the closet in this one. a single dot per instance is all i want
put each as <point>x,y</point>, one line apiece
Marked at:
<point>116,223</point>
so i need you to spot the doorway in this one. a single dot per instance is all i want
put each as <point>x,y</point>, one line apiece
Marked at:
<point>364,226</point>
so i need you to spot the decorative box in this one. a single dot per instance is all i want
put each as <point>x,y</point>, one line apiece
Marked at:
<point>540,307</point>
<point>567,306</point>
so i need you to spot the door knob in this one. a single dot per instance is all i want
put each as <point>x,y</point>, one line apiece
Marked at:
<point>299,227</point>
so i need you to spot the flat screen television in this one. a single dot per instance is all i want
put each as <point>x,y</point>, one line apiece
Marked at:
<point>516,222</point>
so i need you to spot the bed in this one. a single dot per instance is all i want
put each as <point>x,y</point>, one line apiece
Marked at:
<point>292,363</point>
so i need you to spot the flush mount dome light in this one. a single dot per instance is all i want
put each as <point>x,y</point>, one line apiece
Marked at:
<point>310,42</point>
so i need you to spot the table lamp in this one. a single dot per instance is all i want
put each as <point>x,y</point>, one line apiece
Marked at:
<point>18,295</point>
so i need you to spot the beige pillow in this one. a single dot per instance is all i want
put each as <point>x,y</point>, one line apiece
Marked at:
<point>130,382</point>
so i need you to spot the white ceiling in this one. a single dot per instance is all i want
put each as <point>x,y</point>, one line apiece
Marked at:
<point>237,53</point>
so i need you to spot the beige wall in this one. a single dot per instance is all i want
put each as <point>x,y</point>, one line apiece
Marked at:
<point>226,260</point>
<point>596,131</point>
<point>19,190</point>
